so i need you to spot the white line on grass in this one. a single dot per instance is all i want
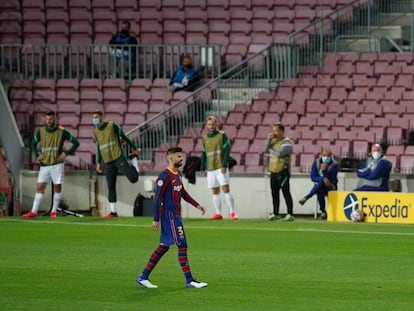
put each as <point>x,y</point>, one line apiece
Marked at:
<point>316,230</point>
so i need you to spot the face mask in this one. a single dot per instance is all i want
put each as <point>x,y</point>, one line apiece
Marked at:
<point>96,121</point>
<point>376,155</point>
<point>326,159</point>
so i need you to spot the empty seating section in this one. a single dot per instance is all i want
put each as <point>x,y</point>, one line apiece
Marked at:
<point>233,24</point>
<point>338,106</point>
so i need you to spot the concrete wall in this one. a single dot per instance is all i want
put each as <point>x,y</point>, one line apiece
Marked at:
<point>10,137</point>
<point>252,193</point>
<point>75,190</point>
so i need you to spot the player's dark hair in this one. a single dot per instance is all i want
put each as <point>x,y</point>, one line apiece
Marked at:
<point>126,22</point>
<point>174,150</point>
<point>50,113</point>
<point>183,56</point>
<point>280,126</point>
<point>99,113</point>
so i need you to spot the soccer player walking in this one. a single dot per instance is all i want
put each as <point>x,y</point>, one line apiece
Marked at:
<point>167,210</point>
<point>51,159</point>
<point>109,151</point>
<point>215,158</point>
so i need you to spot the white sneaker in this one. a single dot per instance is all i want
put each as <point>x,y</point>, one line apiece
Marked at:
<point>146,283</point>
<point>196,284</point>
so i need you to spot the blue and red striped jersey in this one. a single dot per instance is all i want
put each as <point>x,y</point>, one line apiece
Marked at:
<point>169,192</point>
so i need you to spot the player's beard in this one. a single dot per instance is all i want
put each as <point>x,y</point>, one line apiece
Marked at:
<point>178,164</point>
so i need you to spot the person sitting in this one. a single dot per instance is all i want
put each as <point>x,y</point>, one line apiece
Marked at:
<point>324,174</point>
<point>185,76</point>
<point>375,171</point>
<point>122,62</point>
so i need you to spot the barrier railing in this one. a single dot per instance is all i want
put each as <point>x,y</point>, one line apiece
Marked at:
<point>80,61</point>
<point>216,96</point>
<point>318,38</point>
<point>400,14</point>
<point>360,25</point>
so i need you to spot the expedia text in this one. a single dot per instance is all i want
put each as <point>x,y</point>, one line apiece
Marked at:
<point>396,210</point>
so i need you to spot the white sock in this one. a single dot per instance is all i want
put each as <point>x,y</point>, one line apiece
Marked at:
<point>230,201</point>
<point>217,203</point>
<point>36,202</point>
<point>57,197</point>
<point>134,163</point>
<point>112,205</point>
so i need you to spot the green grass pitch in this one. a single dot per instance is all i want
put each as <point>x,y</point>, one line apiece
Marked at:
<point>90,263</point>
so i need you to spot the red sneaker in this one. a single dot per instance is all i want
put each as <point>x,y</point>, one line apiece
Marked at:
<point>110,215</point>
<point>233,216</point>
<point>216,217</point>
<point>53,215</point>
<point>29,215</point>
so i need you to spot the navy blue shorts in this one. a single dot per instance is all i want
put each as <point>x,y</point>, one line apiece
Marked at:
<point>172,230</point>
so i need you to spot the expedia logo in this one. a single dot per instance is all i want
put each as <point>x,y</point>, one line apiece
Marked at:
<point>350,204</point>
<point>393,208</point>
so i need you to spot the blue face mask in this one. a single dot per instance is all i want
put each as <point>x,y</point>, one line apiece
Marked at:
<point>326,159</point>
<point>96,121</point>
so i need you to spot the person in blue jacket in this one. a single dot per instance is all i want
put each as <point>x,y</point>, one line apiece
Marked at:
<point>324,174</point>
<point>185,76</point>
<point>375,171</point>
<point>123,52</point>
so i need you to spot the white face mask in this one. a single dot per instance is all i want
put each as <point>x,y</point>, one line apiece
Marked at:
<point>376,155</point>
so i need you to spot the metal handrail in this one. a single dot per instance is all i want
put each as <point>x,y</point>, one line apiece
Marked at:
<point>330,16</point>
<point>263,66</point>
<point>390,41</point>
<point>316,39</point>
<point>369,37</point>
<point>80,61</point>
<point>228,74</point>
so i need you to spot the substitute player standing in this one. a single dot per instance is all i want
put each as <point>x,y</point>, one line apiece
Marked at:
<point>280,150</point>
<point>167,209</point>
<point>215,158</point>
<point>109,151</point>
<point>51,159</point>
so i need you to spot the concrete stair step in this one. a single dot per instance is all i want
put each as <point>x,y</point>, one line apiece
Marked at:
<point>239,94</point>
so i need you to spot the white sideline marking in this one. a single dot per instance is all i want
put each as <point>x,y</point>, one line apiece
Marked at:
<point>215,228</point>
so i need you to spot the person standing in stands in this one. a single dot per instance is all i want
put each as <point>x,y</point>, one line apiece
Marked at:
<point>280,150</point>
<point>167,209</point>
<point>185,76</point>
<point>215,159</point>
<point>109,152</point>
<point>375,171</point>
<point>324,174</point>
<point>51,159</point>
<point>122,62</point>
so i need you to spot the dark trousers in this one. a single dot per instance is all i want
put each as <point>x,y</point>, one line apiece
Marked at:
<point>321,190</point>
<point>281,181</point>
<point>112,169</point>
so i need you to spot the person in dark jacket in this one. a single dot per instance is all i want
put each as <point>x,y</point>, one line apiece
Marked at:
<point>324,174</point>
<point>124,51</point>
